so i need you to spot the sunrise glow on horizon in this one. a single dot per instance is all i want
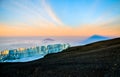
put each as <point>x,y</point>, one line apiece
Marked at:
<point>59,17</point>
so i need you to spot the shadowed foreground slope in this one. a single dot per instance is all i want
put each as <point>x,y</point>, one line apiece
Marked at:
<point>100,59</point>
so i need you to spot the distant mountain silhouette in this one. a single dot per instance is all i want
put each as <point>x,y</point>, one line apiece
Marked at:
<point>47,40</point>
<point>94,38</point>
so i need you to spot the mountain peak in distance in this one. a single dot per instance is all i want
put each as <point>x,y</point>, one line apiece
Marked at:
<point>94,38</point>
<point>98,36</point>
<point>49,39</point>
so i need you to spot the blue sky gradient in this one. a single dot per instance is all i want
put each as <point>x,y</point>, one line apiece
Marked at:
<point>71,15</point>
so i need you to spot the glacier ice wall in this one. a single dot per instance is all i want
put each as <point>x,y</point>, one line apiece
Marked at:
<point>20,54</point>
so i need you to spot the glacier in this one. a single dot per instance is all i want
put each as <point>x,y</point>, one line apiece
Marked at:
<point>32,53</point>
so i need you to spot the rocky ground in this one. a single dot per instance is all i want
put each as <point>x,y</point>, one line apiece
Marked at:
<point>100,59</point>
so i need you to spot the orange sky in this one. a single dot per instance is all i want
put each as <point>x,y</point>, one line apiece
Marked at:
<point>53,30</point>
<point>26,18</point>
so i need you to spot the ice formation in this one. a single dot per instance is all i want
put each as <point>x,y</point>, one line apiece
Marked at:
<point>29,54</point>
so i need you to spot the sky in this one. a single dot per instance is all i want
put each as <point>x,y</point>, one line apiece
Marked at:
<point>59,17</point>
